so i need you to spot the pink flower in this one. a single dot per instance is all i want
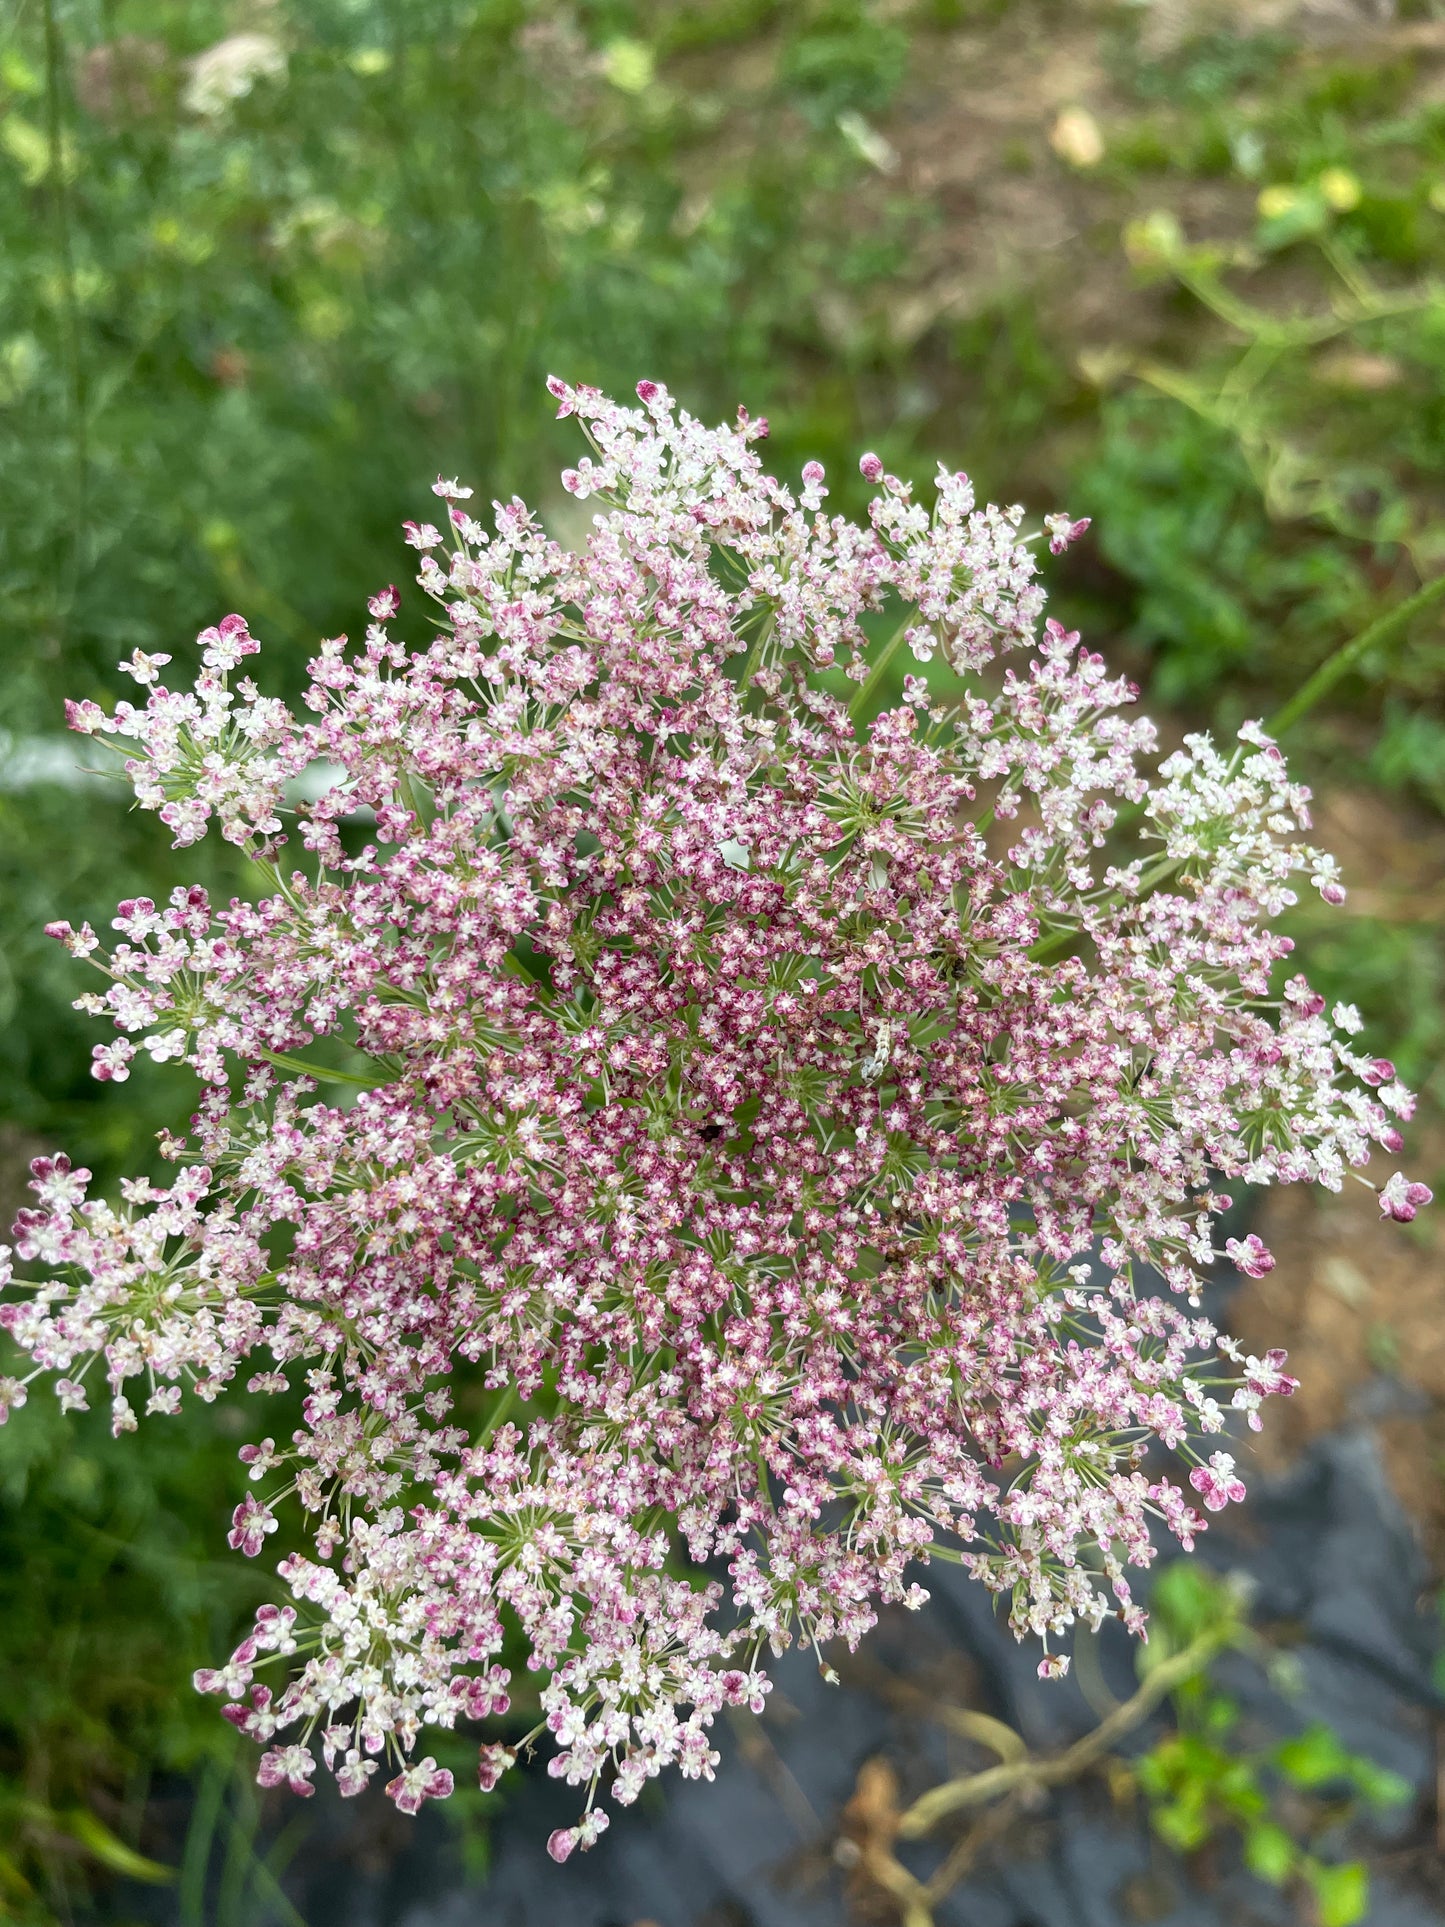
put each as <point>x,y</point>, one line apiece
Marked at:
<point>1268,1378</point>
<point>1400,1199</point>
<point>1062,531</point>
<point>250,1524</point>
<point>291,1765</point>
<point>87,717</point>
<point>424,1781</point>
<point>352,1774</point>
<point>492,1762</point>
<point>1216,1482</point>
<point>227,644</point>
<point>813,489</point>
<point>1250,1255</point>
<point>563,396</point>
<point>110,1063</point>
<point>143,667</point>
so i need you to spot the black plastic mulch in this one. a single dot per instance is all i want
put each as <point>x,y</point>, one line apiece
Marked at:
<point>1340,1584</point>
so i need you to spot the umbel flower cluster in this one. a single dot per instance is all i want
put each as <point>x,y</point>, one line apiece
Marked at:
<point>694,1150</point>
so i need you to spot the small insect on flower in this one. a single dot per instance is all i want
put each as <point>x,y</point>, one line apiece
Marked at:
<point>676,1141</point>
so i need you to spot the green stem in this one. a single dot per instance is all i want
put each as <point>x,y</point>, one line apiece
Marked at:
<point>1047,948</point>
<point>1332,670</point>
<point>755,658</point>
<point>880,668</point>
<point>317,1071</point>
<point>1337,666</point>
<point>59,189</point>
<point>498,1412</point>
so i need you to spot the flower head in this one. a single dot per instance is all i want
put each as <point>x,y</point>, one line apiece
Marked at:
<point>677,1075</point>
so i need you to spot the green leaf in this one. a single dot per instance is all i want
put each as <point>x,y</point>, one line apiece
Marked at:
<point>1378,1784</point>
<point>1270,1852</point>
<point>1241,1792</point>
<point>1342,1894</point>
<point>1314,1758</point>
<point>629,65</point>
<point>102,1845</point>
<point>1184,1823</point>
<point>1189,1600</point>
<point>1157,1770</point>
<point>1289,214</point>
<point>1218,1715</point>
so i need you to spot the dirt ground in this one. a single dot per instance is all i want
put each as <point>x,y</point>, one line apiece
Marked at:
<point>1360,1301</point>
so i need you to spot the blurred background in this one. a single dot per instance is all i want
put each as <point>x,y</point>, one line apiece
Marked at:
<point>1178,265</point>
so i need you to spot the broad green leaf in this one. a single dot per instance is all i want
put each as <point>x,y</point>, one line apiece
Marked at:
<point>1342,1894</point>
<point>1314,1758</point>
<point>1270,1852</point>
<point>1183,1823</point>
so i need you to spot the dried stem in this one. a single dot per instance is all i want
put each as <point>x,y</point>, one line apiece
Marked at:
<point>973,1789</point>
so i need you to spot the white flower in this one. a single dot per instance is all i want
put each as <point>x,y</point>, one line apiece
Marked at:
<point>143,667</point>
<point>229,70</point>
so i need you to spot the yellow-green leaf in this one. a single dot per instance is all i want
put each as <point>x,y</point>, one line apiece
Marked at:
<point>102,1845</point>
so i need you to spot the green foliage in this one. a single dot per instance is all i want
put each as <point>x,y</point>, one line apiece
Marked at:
<point>1271,481</point>
<point>111,1591</point>
<point>1209,67</point>
<point>358,270</point>
<point>1202,1783</point>
<point>1275,481</point>
<point>844,57</point>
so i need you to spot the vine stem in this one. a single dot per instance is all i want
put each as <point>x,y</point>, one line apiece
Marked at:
<point>975,1789</point>
<point>1004,1789</point>
<point>1345,658</point>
